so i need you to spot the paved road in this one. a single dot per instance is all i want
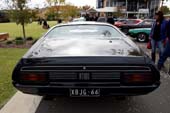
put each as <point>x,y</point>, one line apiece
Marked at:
<point>155,102</point>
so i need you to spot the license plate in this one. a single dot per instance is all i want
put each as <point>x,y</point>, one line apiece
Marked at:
<point>84,92</point>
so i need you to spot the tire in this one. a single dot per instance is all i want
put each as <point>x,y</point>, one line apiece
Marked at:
<point>125,30</point>
<point>142,37</point>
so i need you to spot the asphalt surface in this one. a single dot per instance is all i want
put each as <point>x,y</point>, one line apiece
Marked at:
<point>155,102</point>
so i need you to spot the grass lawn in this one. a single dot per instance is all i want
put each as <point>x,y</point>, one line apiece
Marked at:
<point>34,30</point>
<point>8,59</point>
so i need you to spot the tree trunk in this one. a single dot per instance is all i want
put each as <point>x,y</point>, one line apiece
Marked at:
<point>23,29</point>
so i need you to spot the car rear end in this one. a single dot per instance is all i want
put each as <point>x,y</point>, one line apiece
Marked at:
<point>86,76</point>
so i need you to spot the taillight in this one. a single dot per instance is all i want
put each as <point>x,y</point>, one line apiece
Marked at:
<point>137,78</point>
<point>33,78</point>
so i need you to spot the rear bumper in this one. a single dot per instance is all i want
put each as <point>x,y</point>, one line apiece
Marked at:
<point>104,91</point>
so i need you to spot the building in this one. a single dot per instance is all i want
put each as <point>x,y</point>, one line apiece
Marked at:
<point>131,8</point>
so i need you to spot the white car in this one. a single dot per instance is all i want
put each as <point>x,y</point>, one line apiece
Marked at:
<point>79,19</point>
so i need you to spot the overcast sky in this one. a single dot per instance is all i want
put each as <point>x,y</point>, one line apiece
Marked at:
<point>40,3</point>
<point>92,3</point>
<point>81,2</point>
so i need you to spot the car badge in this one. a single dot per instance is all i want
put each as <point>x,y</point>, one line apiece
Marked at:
<point>84,68</point>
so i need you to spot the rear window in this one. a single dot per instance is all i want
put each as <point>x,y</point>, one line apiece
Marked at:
<point>84,31</point>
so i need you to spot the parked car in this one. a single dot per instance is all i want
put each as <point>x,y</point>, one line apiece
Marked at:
<point>121,22</point>
<point>79,19</point>
<point>144,24</point>
<point>85,59</point>
<point>141,34</point>
<point>133,21</point>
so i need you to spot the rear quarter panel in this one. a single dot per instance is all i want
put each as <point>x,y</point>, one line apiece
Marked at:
<point>137,31</point>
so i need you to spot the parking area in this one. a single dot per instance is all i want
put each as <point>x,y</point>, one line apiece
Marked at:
<point>155,102</point>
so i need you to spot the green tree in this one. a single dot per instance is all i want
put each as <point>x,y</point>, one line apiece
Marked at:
<point>51,13</point>
<point>34,14</point>
<point>55,2</point>
<point>21,14</point>
<point>165,10</point>
<point>118,13</point>
<point>69,11</point>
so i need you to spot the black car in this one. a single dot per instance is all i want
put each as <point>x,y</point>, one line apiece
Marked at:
<point>147,23</point>
<point>85,59</point>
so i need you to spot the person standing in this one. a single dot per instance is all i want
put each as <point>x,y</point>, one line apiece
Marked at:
<point>95,17</point>
<point>158,34</point>
<point>59,21</point>
<point>87,17</point>
<point>166,52</point>
<point>45,25</point>
<point>110,19</point>
<point>102,18</point>
<point>91,17</point>
<point>40,21</point>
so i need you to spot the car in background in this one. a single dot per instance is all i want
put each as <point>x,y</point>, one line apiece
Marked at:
<point>85,59</point>
<point>147,23</point>
<point>79,19</point>
<point>133,21</point>
<point>121,22</point>
<point>141,34</point>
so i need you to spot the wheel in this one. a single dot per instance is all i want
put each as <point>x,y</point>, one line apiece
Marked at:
<point>142,37</point>
<point>125,31</point>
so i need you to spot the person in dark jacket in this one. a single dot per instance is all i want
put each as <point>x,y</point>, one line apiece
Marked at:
<point>158,34</point>
<point>166,52</point>
<point>87,17</point>
<point>91,17</point>
<point>59,21</point>
<point>110,20</point>
<point>45,25</point>
<point>95,17</point>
